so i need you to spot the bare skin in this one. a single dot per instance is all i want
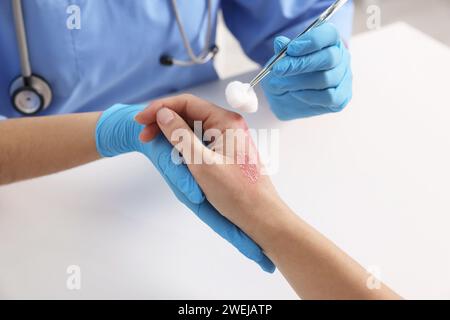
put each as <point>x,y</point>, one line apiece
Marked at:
<point>312,264</point>
<point>33,147</point>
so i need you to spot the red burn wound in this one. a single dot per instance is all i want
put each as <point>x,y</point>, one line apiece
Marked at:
<point>250,170</point>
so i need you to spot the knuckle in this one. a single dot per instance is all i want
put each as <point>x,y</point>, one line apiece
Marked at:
<point>340,100</point>
<point>340,106</point>
<point>236,119</point>
<point>329,78</point>
<point>315,41</point>
<point>334,33</point>
<point>284,117</point>
<point>336,76</point>
<point>187,96</point>
<point>300,64</point>
<point>346,56</point>
<point>333,57</point>
<point>329,96</point>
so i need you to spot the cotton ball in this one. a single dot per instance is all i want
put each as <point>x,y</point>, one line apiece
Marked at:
<point>241,96</point>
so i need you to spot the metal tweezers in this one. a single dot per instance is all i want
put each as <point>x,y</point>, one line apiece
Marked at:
<point>324,17</point>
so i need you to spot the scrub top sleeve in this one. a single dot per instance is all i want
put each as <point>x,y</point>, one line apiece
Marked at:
<point>256,23</point>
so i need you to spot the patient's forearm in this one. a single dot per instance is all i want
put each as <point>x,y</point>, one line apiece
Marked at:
<point>312,264</point>
<point>32,147</point>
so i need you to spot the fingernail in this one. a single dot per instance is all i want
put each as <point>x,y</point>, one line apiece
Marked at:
<point>164,116</point>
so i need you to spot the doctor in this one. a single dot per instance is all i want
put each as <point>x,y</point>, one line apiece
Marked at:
<point>82,57</point>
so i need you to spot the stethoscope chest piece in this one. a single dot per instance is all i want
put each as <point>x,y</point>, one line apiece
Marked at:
<point>30,95</point>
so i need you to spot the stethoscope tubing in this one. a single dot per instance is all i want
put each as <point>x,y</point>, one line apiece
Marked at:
<point>208,52</point>
<point>21,36</point>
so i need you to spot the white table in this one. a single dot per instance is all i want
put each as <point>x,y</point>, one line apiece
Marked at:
<point>375,179</point>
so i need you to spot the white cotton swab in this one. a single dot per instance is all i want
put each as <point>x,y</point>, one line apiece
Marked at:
<point>242,97</point>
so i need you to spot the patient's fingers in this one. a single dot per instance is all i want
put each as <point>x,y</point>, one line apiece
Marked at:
<point>191,109</point>
<point>188,106</point>
<point>180,135</point>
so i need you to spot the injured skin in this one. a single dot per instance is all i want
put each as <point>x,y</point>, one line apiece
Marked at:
<point>236,147</point>
<point>250,170</point>
<point>243,152</point>
<point>241,96</point>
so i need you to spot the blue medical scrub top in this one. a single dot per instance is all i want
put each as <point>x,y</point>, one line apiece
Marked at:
<point>114,56</point>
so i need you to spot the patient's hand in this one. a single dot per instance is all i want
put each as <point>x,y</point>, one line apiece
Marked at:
<point>232,182</point>
<point>227,168</point>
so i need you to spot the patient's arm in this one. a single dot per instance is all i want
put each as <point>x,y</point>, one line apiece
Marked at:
<point>32,147</point>
<point>312,264</point>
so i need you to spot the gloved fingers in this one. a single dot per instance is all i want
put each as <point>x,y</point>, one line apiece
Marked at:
<point>308,81</point>
<point>279,43</point>
<point>177,172</point>
<point>322,60</point>
<point>296,109</point>
<point>161,153</point>
<point>230,232</point>
<point>334,99</point>
<point>189,107</point>
<point>321,37</point>
<point>272,86</point>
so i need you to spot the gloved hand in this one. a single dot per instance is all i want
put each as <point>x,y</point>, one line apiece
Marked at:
<point>117,132</point>
<point>314,78</point>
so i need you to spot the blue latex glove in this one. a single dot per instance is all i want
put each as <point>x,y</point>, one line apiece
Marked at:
<point>314,78</point>
<point>118,133</point>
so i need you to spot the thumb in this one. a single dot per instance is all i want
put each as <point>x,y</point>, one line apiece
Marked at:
<point>180,135</point>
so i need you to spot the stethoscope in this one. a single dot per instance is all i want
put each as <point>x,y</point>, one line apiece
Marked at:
<point>31,94</point>
<point>208,53</point>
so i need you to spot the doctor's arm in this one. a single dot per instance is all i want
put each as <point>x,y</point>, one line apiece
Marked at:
<point>315,77</point>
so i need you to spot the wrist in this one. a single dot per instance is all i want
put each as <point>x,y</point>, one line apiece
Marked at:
<point>271,220</point>
<point>117,132</point>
